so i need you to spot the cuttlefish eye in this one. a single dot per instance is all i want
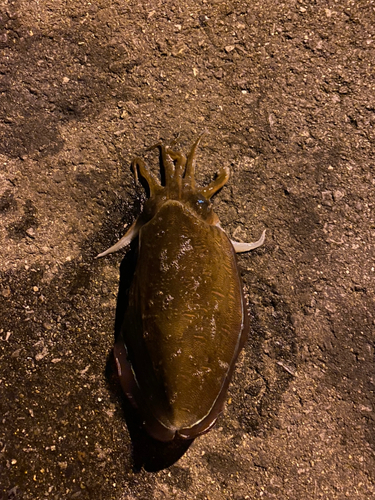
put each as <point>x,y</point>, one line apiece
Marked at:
<point>201,206</point>
<point>201,203</point>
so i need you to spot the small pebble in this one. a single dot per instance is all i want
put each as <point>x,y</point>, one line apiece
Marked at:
<point>327,198</point>
<point>5,292</point>
<point>338,195</point>
<point>30,232</point>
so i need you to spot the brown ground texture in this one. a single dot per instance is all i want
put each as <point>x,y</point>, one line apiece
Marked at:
<point>285,91</point>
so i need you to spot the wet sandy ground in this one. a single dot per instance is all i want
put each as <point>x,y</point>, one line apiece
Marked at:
<point>286,94</point>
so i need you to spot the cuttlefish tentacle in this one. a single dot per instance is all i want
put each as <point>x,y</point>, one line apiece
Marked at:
<point>128,237</point>
<point>240,247</point>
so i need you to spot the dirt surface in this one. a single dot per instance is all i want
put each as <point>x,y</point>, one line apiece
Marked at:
<point>286,92</point>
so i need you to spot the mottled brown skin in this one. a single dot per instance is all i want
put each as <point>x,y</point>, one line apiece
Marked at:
<point>187,320</point>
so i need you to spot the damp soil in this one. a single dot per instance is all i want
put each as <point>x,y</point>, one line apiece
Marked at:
<point>285,93</point>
